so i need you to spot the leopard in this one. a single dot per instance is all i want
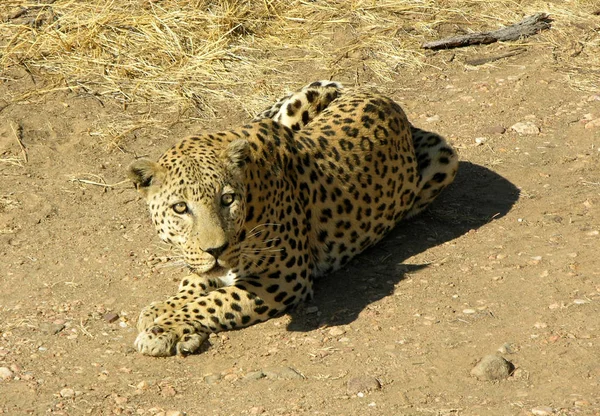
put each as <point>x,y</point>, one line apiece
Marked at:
<point>259,212</point>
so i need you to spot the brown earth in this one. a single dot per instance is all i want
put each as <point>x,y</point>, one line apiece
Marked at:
<point>506,259</point>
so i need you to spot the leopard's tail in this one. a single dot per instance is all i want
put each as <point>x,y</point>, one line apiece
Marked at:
<point>437,163</point>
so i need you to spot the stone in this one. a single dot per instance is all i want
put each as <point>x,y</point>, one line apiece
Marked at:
<point>592,124</point>
<point>254,375</point>
<point>336,331</point>
<point>526,128</point>
<point>492,367</point>
<point>5,373</point>
<point>542,411</point>
<point>362,384</point>
<point>495,129</point>
<point>67,393</point>
<point>50,328</point>
<point>282,373</point>
<point>111,317</point>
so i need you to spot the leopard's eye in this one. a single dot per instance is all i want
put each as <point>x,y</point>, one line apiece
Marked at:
<point>227,199</point>
<point>180,208</point>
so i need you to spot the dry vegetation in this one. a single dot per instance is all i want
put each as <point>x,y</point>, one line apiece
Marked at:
<point>193,53</point>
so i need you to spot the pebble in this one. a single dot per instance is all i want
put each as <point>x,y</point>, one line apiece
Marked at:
<point>212,378</point>
<point>312,309</point>
<point>495,129</point>
<point>506,348</point>
<point>173,413</point>
<point>592,124</point>
<point>542,411</point>
<point>526,127</point>
<point>480,140</point>
<point>111,317</point>
<point>67,393</point>
<point>469,311</point>
<point>432,119</point>
<point>362,384</point>
<point>5,373</point>
<point>51,329</point>
<point>282,373</point>
<point>336,331</point>
<point>492,367</point>
<point>254,375</point>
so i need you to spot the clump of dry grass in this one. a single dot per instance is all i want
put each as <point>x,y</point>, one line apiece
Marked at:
<point>189,53</point>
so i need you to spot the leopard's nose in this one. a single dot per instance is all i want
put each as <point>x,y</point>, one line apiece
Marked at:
<point>217,251</point>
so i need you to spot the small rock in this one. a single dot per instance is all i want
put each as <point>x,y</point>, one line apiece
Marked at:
<point>3,352</point>
<point>167,391</point>
<point>254,375</point>
<point>542,411</point>
<point>212,378</point>
<point>51,329</point>
<point>480,140</point>
<point>526,127</point>
<point>506,348</point>
<point>173,413</point>
<point>495,129</point>
<point>257,410</point>
<point>143,385</point>
<point>282,373</point>
<point>111,317</point>
<point>469,311</point>
<point>5,373</point>
<point>492,367</point>
<point>592,124</point>
<point>312,309</point>
<point>362,384</point>
<point>336,331</point>
<point>432,119</point>
<point>67,393</point>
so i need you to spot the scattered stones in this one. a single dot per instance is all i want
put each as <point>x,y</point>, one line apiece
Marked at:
<point>50,328</point>
<point>282,373</point>
<point>492,367</point>
<point>526,128</point>
<point>111,317</point>
<point>542,411</point>
<point>362,384</point>
<point>67,393</point>
<point>5,373</point>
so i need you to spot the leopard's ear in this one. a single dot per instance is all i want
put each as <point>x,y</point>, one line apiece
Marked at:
<point>237,155</point>
<point>144,174</point>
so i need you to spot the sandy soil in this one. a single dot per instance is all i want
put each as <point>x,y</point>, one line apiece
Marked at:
<point>506,259</point>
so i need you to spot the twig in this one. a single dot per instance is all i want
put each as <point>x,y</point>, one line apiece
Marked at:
<point>105,185</point>
<point>527,27</point>
<point>18,132</point>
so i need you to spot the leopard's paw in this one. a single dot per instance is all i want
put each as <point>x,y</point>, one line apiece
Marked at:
<point>150,313</point>
<point>160,341</point>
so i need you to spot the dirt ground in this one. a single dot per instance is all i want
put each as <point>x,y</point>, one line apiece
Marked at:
<point>505,262</point>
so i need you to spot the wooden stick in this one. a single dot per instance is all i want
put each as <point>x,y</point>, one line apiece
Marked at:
<point>527,27</point>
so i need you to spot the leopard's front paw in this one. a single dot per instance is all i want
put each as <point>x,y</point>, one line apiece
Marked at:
<point>150,313</point>
<point>162,341</point>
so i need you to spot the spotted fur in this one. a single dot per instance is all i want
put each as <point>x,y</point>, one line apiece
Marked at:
<point>259,211</point>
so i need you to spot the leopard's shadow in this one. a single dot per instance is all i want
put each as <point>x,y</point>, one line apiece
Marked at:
<point>477,197</point>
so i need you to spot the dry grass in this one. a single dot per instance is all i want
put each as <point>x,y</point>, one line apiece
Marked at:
<point>190,54</point>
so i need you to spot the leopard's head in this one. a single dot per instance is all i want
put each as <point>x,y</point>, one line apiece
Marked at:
<point>196,196</point>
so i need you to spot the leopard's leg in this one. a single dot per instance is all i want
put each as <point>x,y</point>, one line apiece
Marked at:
<point>437,163</point>
<point>189,288</point>
<point>182,331</point>
<point>300,108</point>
